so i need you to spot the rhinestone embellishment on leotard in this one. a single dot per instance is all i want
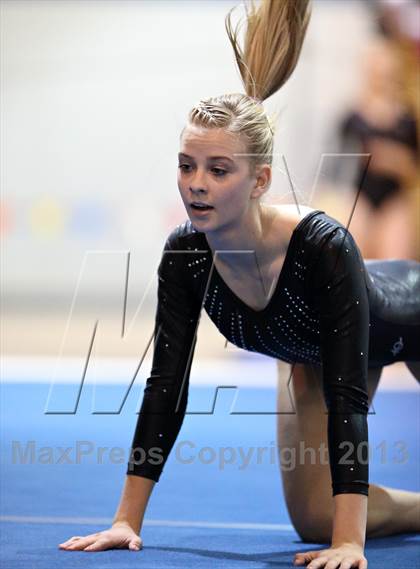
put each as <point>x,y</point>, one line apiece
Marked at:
<point>288,331</point>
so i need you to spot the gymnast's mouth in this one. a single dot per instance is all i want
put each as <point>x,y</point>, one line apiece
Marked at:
<point>200,206</point>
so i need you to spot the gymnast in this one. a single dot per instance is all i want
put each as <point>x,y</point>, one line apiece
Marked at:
<point>381,124</point>
<point>335,319</point>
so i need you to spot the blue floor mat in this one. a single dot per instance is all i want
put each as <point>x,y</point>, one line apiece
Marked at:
<point>45,489</point>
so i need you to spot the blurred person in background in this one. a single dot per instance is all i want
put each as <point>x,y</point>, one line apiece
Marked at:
<point>382,127</point>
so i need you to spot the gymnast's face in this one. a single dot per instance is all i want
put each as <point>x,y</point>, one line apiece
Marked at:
<point>212,171</point>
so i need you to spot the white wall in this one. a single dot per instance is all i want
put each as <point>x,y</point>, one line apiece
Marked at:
<point>94,94</point>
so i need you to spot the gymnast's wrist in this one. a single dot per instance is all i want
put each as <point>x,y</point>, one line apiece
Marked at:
<point>350,520</point>
<point>135,526</point>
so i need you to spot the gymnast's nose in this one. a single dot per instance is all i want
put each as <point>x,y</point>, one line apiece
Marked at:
<point>198,191</point>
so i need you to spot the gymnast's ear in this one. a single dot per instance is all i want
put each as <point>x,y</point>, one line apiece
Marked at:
<point>262,175</point>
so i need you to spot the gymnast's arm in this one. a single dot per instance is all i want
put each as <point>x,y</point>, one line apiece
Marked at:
<point>166,392</point>
<point>340,294</point>
<point>163,407</point>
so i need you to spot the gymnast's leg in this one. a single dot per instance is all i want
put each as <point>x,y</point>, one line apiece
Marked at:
<point>307,485</point>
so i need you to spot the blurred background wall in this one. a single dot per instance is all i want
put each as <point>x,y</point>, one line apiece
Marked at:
<point>94,95</point>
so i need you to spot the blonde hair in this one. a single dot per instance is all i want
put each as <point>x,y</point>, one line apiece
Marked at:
<point>273,40</point>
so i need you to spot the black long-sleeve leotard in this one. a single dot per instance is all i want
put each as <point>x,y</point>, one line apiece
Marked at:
<point>328,308</point>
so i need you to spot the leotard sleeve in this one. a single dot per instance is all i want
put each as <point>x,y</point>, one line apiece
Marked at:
<point>166,392</point>
<point>340,295</point>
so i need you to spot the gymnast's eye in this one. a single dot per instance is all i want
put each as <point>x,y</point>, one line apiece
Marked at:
<point>218,171</point>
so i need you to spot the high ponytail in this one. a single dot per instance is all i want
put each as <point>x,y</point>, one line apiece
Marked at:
<point>273,41</point>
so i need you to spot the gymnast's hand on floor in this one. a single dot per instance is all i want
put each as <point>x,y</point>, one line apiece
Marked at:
<point>119,536</point>
<point>345,556</point>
